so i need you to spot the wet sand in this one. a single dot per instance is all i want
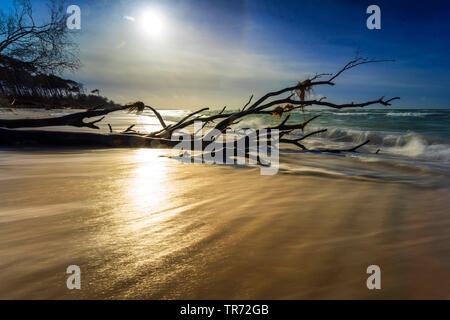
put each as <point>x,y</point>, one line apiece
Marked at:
<point>143,226</point>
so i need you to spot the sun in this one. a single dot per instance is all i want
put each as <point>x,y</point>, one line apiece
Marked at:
<point>152,23</point>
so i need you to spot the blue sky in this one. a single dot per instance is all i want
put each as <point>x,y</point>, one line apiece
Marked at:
<point>215,53</point>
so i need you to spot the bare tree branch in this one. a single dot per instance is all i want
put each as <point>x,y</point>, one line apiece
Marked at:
<point>356,62</point>
<point>249,100</point>
<point>50,47</point>
<point>161,138</point>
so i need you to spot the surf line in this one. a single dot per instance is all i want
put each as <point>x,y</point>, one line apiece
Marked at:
<point>241,146</point>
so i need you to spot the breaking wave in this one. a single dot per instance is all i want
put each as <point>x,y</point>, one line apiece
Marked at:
<point>411,144</point>
<point>409,114</point>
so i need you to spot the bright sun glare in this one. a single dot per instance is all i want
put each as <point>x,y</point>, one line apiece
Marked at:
<point>152,23</point>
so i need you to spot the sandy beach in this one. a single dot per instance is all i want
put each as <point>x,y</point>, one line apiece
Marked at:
<point>144,226</point>
<point>224,150</point>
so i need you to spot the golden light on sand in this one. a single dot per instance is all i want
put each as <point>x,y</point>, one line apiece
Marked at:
<point>152,23</point>
<point>148,188</point>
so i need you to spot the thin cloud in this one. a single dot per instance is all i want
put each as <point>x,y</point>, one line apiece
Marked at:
<point>129,18</point>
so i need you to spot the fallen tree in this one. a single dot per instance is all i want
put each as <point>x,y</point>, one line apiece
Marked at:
<point>214,125</point>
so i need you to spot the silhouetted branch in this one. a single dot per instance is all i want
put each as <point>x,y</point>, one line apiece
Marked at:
<point>161,138</point>
<point>74,119</point>
<point>249,100</point>
<point>129,129</point>
<point>356,62</point>
<point>158,115</point>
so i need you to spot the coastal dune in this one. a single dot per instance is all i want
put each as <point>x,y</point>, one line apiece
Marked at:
<point>141,225</point>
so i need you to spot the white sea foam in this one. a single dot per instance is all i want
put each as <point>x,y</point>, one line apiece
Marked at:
<point>412,145</point>
<point>408,114</point>
<point>350,113</point>
<point>419,148</point>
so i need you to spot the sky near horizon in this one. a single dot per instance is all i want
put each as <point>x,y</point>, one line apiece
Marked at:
<point>214,53</point>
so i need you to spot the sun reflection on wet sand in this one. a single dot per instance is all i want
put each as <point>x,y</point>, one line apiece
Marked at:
<point>148,186</point>
<point>138,228</point>
<point>144,206</point>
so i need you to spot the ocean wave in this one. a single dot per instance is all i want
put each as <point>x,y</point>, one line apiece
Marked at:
<point>389,114</point>
<point>411,144</point>
<point>420,149</point>
<point>408,114</point>
<point>349,113</point>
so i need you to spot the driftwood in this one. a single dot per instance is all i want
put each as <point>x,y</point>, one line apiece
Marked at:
<point>10,136</point>
<point>75,119</point>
